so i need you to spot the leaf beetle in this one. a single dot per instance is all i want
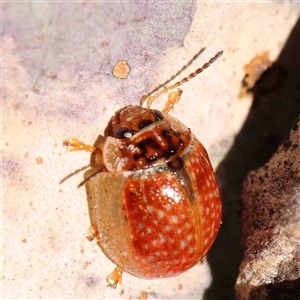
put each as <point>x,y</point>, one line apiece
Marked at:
<point>153,197</point>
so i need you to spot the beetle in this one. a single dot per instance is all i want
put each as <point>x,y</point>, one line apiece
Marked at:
<point>153,197</point>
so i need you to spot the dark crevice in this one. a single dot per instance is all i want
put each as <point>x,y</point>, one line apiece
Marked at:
<point>276,105</point>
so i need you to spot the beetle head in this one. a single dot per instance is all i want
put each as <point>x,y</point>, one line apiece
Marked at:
<point>131,119</point>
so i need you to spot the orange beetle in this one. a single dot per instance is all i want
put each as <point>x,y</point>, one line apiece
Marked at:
<point>153,197</point>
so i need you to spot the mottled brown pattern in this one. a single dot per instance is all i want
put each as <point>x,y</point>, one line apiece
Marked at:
<point>158,142</point>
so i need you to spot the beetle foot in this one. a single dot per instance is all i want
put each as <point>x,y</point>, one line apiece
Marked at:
<point>173,98</point>
<point>92,233</point>
<point>74,144</point>
<point>115,277</point>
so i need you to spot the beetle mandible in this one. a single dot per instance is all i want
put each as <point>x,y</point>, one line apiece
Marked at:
<point>153,197</point>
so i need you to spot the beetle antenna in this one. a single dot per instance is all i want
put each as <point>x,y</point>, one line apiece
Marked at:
<point>150,99</point>
<point>89,177</point>
<point>74,173</point>
<point>173,76</point>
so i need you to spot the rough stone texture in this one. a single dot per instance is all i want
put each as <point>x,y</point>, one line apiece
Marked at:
<point>276,106</point>
<point>271,226</point>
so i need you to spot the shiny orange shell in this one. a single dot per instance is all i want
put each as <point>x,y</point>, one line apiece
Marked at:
<point>156,203</point>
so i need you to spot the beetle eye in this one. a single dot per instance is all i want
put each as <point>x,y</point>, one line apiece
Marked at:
<point>123,132</point>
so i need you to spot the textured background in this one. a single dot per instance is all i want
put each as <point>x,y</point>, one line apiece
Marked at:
<point>58,83</point>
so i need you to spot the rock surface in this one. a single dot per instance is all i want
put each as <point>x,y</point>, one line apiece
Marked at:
<point>271,226</point>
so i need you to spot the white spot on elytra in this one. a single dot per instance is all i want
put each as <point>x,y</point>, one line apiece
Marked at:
<point>168,206</point>
<point>174,219</point>
<point>160,214</point>
<point>168,228</point>
<point>188,225</point>
<point>172,194</point>
<point>150,208</point>
<point>189,237</point>
<point>162,238</point>
<point>183,244</point>
<point>154,243</point>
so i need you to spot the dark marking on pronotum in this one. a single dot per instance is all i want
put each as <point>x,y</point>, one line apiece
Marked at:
<point>158,115</point>
<point>144,123</point>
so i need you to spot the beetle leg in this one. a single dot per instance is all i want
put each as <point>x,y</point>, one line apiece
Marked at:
<point>74,144</point>
<point>92,233</point>
<point>115,277</point>
<point>173,98</point>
